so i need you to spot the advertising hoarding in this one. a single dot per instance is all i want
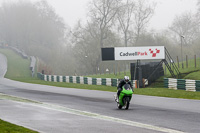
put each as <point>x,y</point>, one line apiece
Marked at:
<point>139,53</point>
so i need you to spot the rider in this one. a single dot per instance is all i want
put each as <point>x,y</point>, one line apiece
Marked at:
<point>121,83</point>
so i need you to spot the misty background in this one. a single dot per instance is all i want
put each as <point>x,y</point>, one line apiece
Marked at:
<point>38,30</point>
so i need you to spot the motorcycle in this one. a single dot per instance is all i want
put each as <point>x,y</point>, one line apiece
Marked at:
<point>124,97</point>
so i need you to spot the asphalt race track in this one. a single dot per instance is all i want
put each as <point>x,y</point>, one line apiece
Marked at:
<point>52,112</point>
<point>49,109</point>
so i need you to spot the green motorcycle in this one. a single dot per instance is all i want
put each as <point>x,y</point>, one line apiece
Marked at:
<point>125,97</point>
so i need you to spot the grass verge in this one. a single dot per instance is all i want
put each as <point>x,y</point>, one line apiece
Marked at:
<point>6,127</point>
<point>17,66</point>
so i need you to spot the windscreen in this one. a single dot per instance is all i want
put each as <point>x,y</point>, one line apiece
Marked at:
<point>127,86</point>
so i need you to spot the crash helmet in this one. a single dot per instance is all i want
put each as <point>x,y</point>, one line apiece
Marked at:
<point>126,78</point>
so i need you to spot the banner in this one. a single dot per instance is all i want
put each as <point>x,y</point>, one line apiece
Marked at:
<point>139,53</point>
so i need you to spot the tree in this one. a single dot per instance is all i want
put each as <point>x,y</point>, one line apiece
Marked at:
<point>95,35</point>
<point>124,15</point>
<point>85,49</point>
<point>28,24</point>
<point>36,29</point>
<point>185,25</point>
<point>143,13</point>
<point>103,12</point>
<point>15,22</point>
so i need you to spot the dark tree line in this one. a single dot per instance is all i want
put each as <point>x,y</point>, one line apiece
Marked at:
<point>36,29</point>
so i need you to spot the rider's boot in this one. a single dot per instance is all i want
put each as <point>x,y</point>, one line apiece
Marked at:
<point>117,97</point>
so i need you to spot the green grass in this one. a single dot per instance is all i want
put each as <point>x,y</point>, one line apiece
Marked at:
<point>193,75</point>
<point>187,69</point>
<point>6,127</point>
<point>17,66</point>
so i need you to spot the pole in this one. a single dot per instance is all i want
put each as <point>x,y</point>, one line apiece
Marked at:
<point>195,62</point>
<point>178,61</point>
<point>182,50</point>
<point>186,61</point>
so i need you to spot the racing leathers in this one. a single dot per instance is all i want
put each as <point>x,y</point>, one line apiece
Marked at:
<point>121,84</point>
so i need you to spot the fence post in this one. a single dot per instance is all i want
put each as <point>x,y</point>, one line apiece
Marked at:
<point>186,61</point>
<point>114,69</point>
<point>178,61</point>
<point>195,63</point>
<point>100,70</point>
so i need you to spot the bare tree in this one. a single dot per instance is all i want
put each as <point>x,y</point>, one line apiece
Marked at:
<point>102,12</point>
<point>34,28</point>
<point>125,19</point>
<point>185,25</point>
<point>85,49</point>
<point>143,13</point>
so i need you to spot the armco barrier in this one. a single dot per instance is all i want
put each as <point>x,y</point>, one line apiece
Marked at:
<point>70,79</point>
<point>166,80</point>
<point>94,81</point>
<point>197,84</point>
<point>89,79</point>
<point>182,84</point>
<point>78,80</point>
<point>82,80</point>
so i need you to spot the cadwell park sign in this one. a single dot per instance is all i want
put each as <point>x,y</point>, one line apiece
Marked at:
<point>133,53</point>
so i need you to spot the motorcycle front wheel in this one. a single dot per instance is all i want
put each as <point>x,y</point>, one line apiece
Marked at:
<point>127,105</point>
<point>119,106</point>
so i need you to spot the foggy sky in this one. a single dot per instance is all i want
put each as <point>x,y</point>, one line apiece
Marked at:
<point>166,10</point>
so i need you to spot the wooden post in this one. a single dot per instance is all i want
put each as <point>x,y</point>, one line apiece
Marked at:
<point>100,69</point>
<point>186,61</point>
<point>178,61</point>
<point>114,68</point>
<point>104,70</point>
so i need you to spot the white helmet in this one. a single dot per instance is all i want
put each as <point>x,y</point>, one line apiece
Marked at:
<point>126,78</point>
